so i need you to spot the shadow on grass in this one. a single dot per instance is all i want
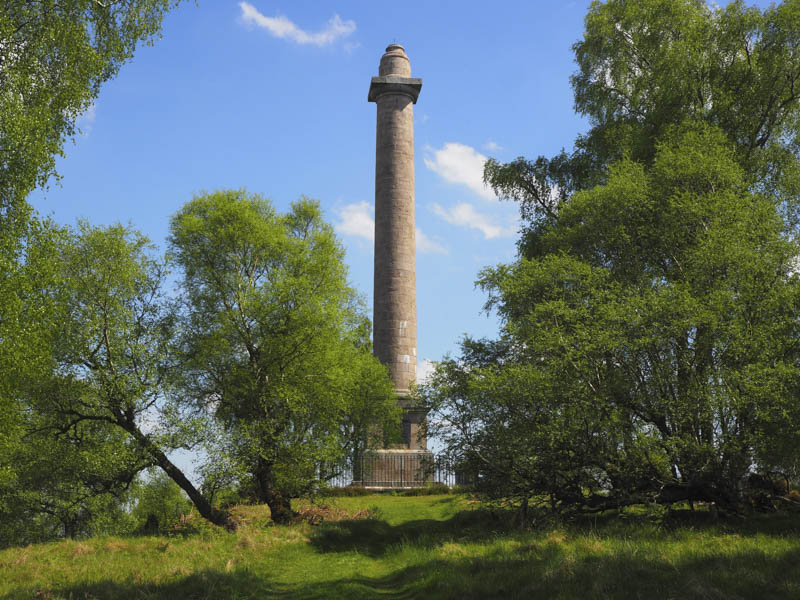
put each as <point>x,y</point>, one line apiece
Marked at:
<point>548,574</point>
<point>643,525</point>
<point>375,537</point>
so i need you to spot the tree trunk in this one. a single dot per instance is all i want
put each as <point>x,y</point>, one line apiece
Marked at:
<point>69,529</point>
<point>704,364</point>
<point>522,514</point>
<point>217,517</point>
<point>280,506</point>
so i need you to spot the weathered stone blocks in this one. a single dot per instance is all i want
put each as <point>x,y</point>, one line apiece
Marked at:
<point>395,286</point>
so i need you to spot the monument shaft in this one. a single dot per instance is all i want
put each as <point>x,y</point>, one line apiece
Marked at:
<point>395,284</point>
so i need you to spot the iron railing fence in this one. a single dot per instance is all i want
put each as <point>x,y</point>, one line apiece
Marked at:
<point>400,470</point>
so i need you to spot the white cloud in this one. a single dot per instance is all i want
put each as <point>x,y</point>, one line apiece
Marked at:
<point>351,47</point>
<point>424,369</point>
<point>492,146</point>
<point>426,245</point>
<point>282,27</point>
<point>465,215</point>
<point>85,121</point>
<point>458,163</point>
<point>357,220</point>
<point>90,113</point>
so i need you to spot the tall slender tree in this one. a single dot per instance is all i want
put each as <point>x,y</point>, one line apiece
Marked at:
<point>274,339</point>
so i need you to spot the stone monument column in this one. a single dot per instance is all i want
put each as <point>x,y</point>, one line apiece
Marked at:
<point>395,286</point>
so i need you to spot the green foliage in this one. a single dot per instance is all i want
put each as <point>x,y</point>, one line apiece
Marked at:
<point>434,489</point>
<point>350,491</point>
<point>646,66</point>
<point>49,486</point>
<point>110,346</point>
<point>647,350</point>
<point>66,488</point>
<point>275,341</point>
<point>91,411</point>
<point>23,351</point>
<point>55,55</point>
<point>647,353</point>
<point>157,496</point>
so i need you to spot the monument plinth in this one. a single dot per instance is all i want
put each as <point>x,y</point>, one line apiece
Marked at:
<point>395,92</point>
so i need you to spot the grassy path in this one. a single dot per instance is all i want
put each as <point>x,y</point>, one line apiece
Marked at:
<point>420,547</point>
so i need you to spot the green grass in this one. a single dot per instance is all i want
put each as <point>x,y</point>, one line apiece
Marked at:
<point>422,547</point>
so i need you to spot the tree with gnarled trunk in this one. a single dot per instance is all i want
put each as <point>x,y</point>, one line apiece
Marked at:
<point>54,57</point>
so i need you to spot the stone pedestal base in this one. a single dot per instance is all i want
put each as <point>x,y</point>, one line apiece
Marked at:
<point>413,424</point>
<point>394,469</point>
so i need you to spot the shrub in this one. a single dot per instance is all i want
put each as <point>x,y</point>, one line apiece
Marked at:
<point>160,503</point>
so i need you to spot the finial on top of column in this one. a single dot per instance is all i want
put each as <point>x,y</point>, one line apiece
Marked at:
<point>394,76</point>
<point>395,62</point>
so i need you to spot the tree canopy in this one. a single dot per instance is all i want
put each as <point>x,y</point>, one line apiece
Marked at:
<point>54,56</point>
<point>644,67</point>
<point>648,349</point>
<point>97,384</point>
<point>115,349</point>
<point>275,341</point>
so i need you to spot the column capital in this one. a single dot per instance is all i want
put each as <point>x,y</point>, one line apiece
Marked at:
<point>393,84</point>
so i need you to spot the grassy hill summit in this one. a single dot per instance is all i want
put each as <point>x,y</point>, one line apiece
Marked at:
<point>437,546</point>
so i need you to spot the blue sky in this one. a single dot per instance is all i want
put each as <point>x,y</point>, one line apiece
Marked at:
<point>272,96</point>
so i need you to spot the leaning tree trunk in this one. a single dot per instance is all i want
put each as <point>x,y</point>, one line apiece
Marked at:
<point>208,512</point>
